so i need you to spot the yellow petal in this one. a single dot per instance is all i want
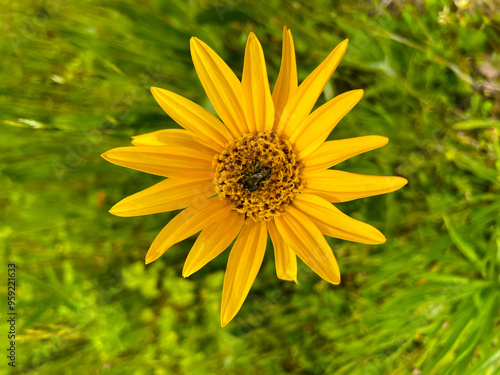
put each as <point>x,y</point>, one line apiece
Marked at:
<point>339,186</point>
<point>305,239</point>
<point>332,222</point>
<point>300,104</point>
<point>156,138</point>
<point>257,100</point>
<point>187,223</point>
<point>313,131</point>
<point>168,195</point>
<point>221,85</point>
<point>243,265</point>
<point>193,118</point>
<point>284,257</point>
<point>212,241</point>
<point>173,138</point>
<point>286,84</point>
<point>179,162</point>
<point>333,152</point>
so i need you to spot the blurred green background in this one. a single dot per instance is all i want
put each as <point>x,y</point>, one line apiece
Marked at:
<point>74,82</point>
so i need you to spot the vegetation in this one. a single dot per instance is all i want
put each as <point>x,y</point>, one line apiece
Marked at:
<point>74,82</point>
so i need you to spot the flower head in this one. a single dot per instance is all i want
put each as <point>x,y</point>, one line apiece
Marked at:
<point>263,167</point>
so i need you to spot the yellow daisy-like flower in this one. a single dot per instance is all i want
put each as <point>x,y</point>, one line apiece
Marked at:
<point>262,168</point>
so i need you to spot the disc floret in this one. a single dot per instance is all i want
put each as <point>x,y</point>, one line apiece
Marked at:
<point>258,175</point>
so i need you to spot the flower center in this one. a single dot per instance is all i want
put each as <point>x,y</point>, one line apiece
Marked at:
<point>258,174</point>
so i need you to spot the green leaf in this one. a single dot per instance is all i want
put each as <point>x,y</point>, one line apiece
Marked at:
<point>458,323</point>
<point>477,124</point>
<point>477,167</point>
<point>484,321</point>
<point>461,243</point>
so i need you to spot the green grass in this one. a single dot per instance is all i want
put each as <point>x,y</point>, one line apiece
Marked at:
<point>74,82</point>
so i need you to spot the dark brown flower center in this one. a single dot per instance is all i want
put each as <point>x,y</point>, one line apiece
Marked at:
<point>258,174</point>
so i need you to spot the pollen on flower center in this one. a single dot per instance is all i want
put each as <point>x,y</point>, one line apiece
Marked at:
<point>258,174</point>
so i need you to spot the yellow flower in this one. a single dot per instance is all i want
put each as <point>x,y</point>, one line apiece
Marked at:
<point>262,168</point>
